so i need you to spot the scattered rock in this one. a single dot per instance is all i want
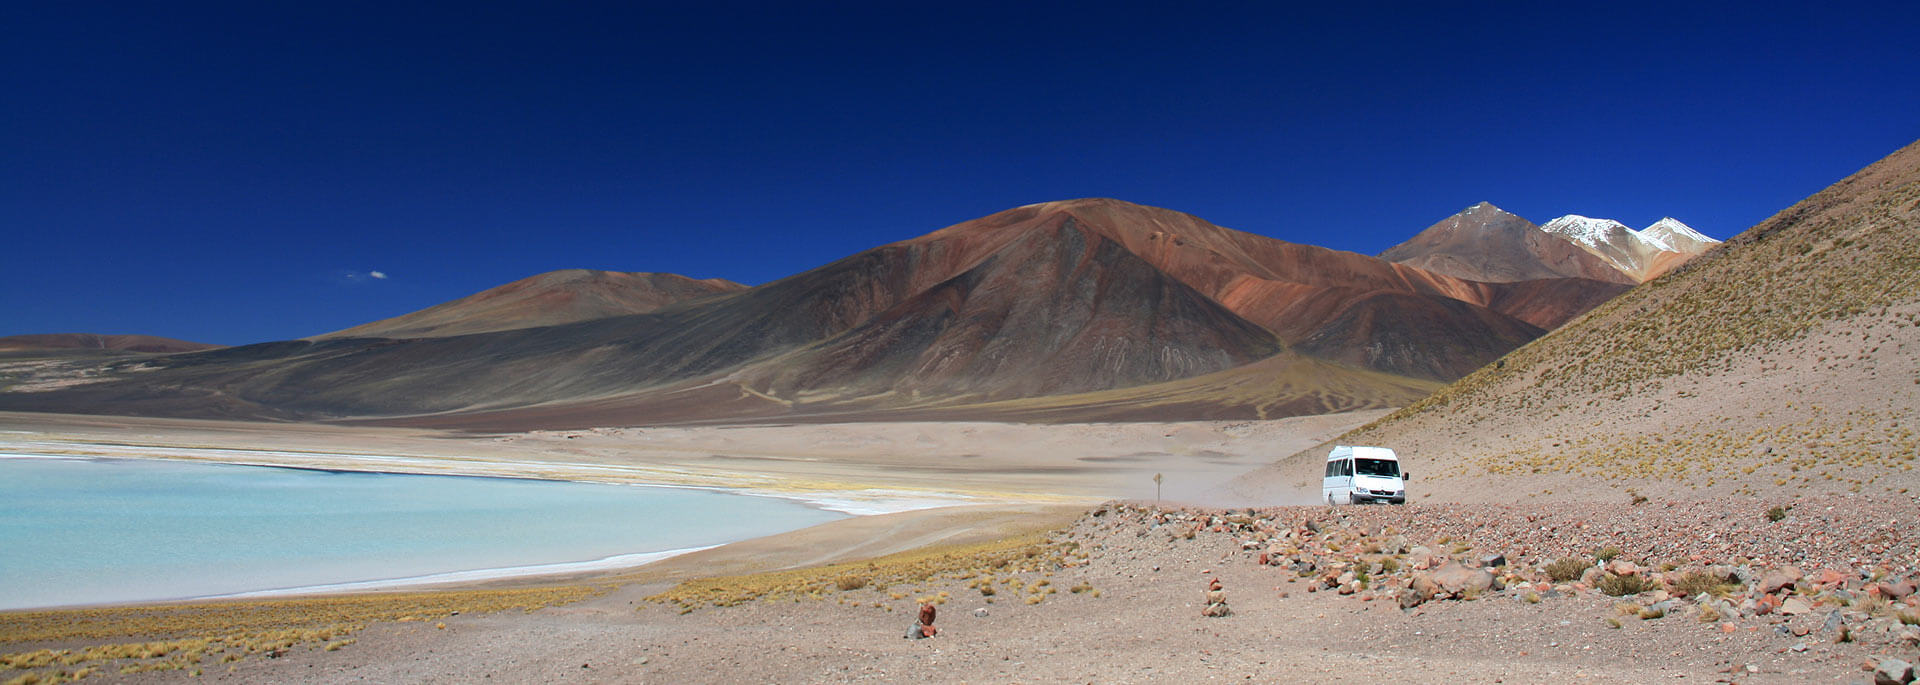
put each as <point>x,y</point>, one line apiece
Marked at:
<point>980,612</point>
<point>1493,560</point>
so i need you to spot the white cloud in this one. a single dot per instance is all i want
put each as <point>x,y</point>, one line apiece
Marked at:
<point>354,277</point>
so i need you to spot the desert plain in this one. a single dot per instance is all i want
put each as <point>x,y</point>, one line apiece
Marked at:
<point>1047,558</point>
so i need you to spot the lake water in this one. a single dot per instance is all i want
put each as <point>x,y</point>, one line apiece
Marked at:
<point>87,531</point>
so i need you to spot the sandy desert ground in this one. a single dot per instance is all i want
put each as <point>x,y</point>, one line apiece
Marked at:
<point>1114,597</point>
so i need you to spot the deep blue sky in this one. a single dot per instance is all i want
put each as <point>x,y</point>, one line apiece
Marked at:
<point>232,173</point>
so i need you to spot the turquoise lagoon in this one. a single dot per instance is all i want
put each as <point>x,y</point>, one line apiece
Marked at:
<point>92,531</point>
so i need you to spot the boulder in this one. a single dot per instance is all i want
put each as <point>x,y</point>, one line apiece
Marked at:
<point>1894,590</point>
<point>1890,671</point>
<point>1418,591</point>
<point>1830,578</point>
<point>1420,558</point>
<point>1795,606</point>
<point>1622,567</point>
<point>1779,579</point>
<point>1456,580</point>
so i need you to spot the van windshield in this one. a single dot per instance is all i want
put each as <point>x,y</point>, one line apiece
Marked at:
<point>1376,467</point>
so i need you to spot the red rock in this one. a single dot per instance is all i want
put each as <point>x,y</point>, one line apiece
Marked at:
<point>1831,578</point>
<point>1894,589</point>
<point>1780,578</point>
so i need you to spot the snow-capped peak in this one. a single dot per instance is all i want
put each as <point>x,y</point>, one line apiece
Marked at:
<point>1589,231</point>
<point>1675,236</point>
<point>1482,208</point>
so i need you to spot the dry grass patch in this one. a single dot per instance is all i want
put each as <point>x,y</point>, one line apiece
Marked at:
<point>182,636</point>
<point>977,561</point>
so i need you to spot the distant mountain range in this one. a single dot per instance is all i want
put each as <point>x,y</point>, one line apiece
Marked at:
<point>1486,243</point>
<point>91,341</point>
<point>1786,362</point>
<point>1128,310</point>
<point>548,299</point>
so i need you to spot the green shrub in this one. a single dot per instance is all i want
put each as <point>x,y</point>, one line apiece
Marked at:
<point>1567,570</point>
<point>1621,586</point>
<point>1701,584</point>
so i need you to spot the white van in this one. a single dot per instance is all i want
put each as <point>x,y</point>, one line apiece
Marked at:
<point>1358,475</point>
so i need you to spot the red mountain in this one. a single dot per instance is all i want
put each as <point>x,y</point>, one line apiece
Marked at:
<point>1485,243</point>
<point>1081,299</point>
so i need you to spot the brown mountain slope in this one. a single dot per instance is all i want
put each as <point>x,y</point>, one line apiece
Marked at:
<point>1305,293</point>
<point>1084,296</point>
<point>1485,243</point>
<point>882,322</point>
<point>1103,319</point>
<point>548,299</point>
<point>93,341</point>
<point>1785,362</point>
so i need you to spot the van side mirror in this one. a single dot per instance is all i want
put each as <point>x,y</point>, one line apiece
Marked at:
<point>1406,475</point>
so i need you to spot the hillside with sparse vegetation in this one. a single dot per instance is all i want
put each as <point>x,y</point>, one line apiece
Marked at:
<point>1787,360</point>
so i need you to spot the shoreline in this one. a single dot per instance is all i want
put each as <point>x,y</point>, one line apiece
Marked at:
<point>857,499</point>
<point>618,562</point>
<point>866,502</point>
<point>903,485</point>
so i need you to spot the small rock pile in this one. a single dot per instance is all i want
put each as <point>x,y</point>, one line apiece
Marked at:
<point>923,624</point>
<point>1216,601</point>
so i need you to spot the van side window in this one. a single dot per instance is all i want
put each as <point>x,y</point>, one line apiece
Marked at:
<point>1346,467</point>
<point>1330,468</point>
